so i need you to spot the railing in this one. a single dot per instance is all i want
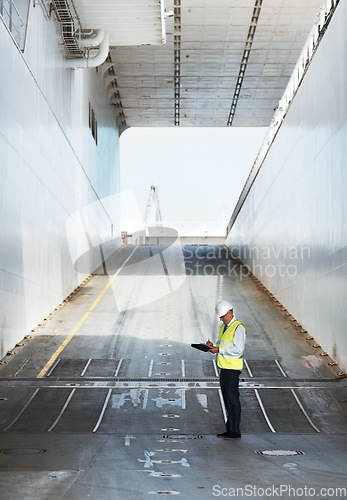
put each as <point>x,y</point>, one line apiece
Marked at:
<point>67,16</point>
<point>13,21</point>
<point>64,11</point>
<point>323,18</point>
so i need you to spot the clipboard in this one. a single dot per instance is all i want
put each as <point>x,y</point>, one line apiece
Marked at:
<point>201,347</point>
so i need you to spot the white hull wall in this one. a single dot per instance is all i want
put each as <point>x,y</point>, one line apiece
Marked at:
<point>292,228</point>
<point>57,188</point>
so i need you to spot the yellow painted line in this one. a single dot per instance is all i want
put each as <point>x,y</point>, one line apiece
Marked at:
<point>82,320</point>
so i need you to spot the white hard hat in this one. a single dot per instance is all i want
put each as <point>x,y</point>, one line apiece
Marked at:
<point>223,307</point>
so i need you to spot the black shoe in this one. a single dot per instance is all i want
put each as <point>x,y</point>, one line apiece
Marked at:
<point>232,435</point>
<point>223,435</point>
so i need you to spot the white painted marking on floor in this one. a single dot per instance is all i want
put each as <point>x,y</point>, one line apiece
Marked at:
<point>62,410</point>
<point>184,462</point>
<point>222,404</point>
<point>183,369</point>
<point>128,439</point>
<point>264,412</point>
<point>290,465</point>
<point>103,410</point>
<point>21,367</point>
<point>297,399</point>
<point>304,411</point>
<point>150,368</point>
<point>145,399</point>
<point>248,368</point>
<point>202,398</point>
<point>215,368</point>
<point>148,462</point>
<point>169,450</point>
<point>183,396</point>
<point>164,475</point>
<point>118,367</point>
<point>280,368</point>
<point>160,401</point>
<point>85,368</point>
<point>53,367</point>
<point>162,384</point>
<point>259,400</point>
<point>134,395</point>
<point>22,410</point>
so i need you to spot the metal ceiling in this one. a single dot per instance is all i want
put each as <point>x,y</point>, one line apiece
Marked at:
<point>225,62</point>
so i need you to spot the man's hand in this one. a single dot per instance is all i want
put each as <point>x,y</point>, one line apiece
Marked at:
<point>213,350</point>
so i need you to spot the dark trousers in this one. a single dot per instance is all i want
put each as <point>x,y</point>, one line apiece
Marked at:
<point>229,383</point>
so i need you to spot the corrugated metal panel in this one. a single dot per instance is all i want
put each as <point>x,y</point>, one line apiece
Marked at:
<point>212,42</point>
<point>194,79</point>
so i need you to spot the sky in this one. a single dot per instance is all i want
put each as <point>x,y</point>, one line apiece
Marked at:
<point>199,174</point>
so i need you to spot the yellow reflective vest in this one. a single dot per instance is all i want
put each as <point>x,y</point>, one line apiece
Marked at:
<point>226,339</point>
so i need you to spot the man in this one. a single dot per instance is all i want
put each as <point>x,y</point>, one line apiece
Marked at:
<point>229,350</point>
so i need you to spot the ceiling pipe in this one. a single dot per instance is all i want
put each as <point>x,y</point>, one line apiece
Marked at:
<point>91,62</point>
<point>93,41</point>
